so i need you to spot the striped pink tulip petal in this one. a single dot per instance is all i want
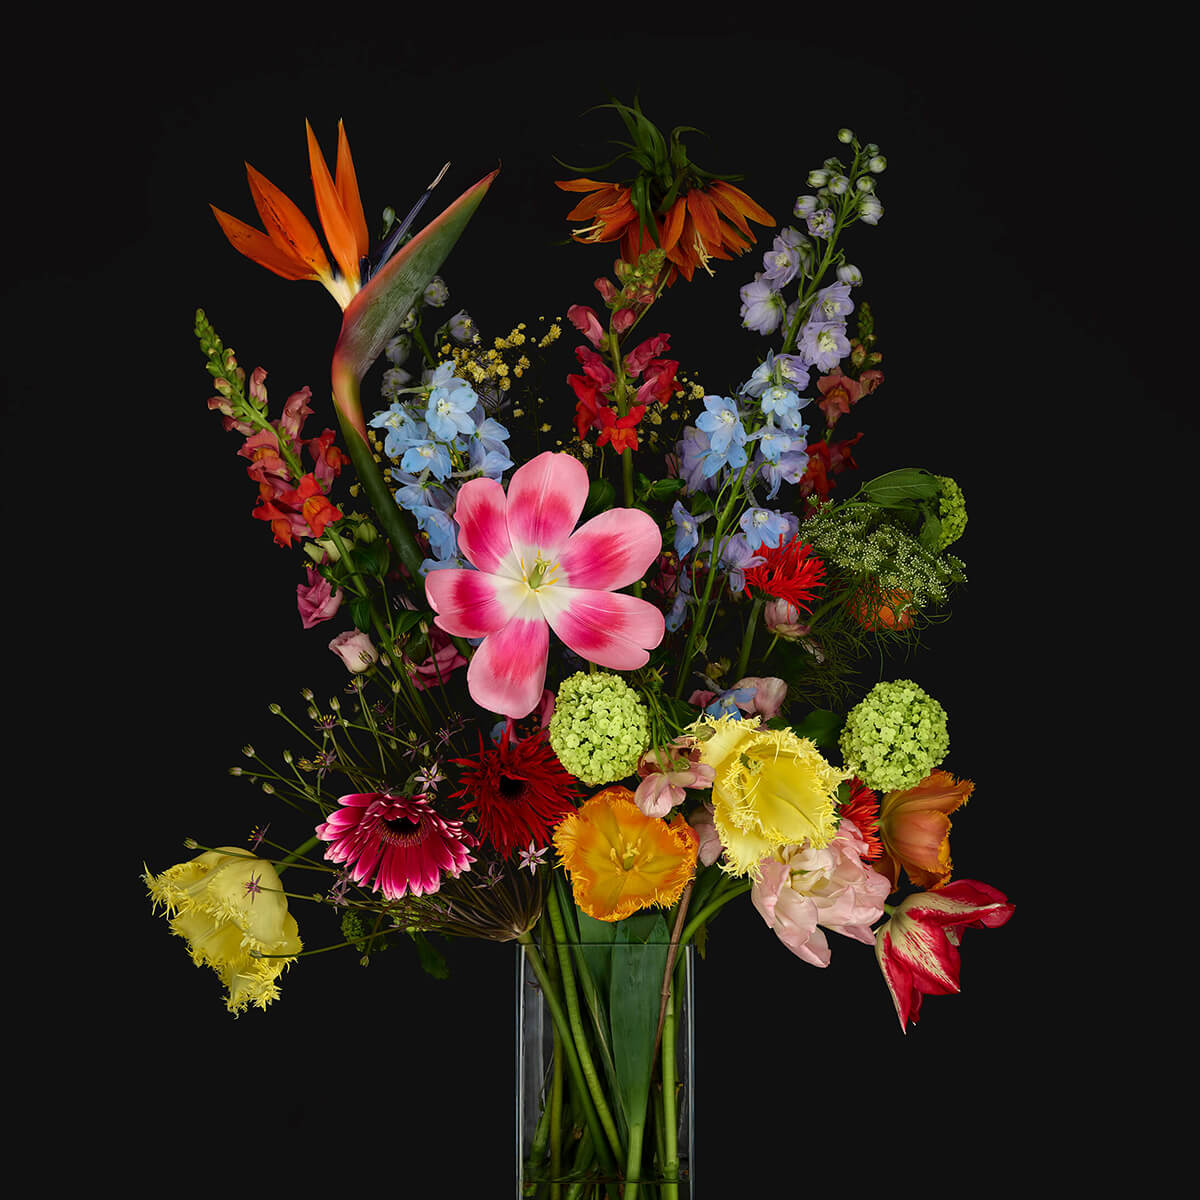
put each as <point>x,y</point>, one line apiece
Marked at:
<point>507,673</point>
<point>471,603</point>
<point>611,550</point>
<point>608,628</point>
<point>481,513</point>
<point>545,498</point>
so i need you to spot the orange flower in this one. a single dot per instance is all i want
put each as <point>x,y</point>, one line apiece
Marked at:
<point>290,247</point>
<point>914,826</point>
<point>621,860</point>
<point>703,223</point>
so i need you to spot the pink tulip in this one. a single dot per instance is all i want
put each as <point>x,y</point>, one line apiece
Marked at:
<point>710,841</point>
<point>917,949</point>
<point>814,890</point>
<point>769,694</point>
<point>317,601</point>
<point>534,574</point>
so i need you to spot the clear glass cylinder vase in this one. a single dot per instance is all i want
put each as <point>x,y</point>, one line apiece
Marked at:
<point>604,1073</point>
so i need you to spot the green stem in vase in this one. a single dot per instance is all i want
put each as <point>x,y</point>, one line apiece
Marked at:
<point>556,1100</point>
<point>571,994</point>
<point>554,1003</point>
<point>670,1120</point>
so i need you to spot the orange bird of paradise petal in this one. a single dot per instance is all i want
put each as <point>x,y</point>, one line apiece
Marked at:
<point>290,246</point>
<point>621,860</point>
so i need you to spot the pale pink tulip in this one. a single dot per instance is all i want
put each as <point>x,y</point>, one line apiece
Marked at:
<point>768,697</point>
<point>534,574</point>
<point>813,890</point>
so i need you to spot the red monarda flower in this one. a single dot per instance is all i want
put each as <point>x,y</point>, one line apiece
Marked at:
<point>520,791</point>
<point>790,573</point>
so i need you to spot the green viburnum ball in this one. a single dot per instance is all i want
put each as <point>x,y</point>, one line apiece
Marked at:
<point>600,727</point>
<point>952,511</point>
<point>895,736</point>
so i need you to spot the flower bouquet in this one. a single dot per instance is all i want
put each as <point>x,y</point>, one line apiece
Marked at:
<point>613,643</point>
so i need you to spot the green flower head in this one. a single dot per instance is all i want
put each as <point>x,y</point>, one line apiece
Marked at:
<point>952,512</point>
<point>895,736</point>
<point>600,727</point>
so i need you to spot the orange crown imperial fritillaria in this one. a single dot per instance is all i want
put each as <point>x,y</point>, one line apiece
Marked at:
<point>691,214</point>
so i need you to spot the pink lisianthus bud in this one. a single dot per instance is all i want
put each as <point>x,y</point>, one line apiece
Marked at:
<point>783,620</point>
<point>666,772</point>
<point>355,649</point>
<point>586,321</point>
<point>317,600</point>
<point>710,841</point>
<point>769,694</point>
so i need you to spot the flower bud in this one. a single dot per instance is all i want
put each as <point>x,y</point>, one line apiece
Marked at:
<point>877,164</point>
<point>845,136</point>
<point>870,210</point>
<point>818,178</point>
<point>839,185</point>
<point>849,273</point>
<point>866,184</point>
<point>804,205</point>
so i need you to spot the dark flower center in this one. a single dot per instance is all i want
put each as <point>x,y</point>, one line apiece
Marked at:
<point>401,826</point>
<point>509,788</point>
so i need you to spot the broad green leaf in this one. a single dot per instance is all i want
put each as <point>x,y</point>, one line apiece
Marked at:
<point>634,998</point>
<point>820,726</point>
<point>898,487</point>
<point>600,497</point>
<point>431,959</point>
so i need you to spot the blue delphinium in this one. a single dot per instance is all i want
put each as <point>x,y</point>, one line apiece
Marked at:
<point>833,303</point>
<point>790,468</point>
<point>736,555</point>
<point>726,434</point>
<point>762,306</point>
<point>764,527</point>
<point>824,343</point>
<point>451,401</point>
<point>425,454</point>
<point>687,530</point>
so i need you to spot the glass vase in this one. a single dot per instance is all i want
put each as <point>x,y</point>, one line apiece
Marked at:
<point>604,1072</point>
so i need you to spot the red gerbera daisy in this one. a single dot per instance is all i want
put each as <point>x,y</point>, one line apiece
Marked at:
<point>520,791</point>
<point>863,809</point>
<point>790,573</point>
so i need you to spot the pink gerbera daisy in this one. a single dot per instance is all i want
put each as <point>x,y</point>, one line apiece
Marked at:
<point>398,839</point>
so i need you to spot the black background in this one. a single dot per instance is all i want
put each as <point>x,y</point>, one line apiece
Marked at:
<point>1018,279</point>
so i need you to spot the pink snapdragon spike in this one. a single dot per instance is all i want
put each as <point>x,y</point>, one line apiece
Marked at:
<point>917,949</point>
<point>534,574</point>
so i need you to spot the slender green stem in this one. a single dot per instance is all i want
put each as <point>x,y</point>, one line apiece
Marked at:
<point>559,1016</point>
<point>556,1102</point>
<point>633,1160</point>
<point>748,638</point>
<point>299,852</point>
<point>713,906</point>
<point>570,992</point>
<point>670,1120</point>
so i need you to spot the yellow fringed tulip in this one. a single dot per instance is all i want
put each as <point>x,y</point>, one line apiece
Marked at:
<point>230,908</point>
<point>770,789</point>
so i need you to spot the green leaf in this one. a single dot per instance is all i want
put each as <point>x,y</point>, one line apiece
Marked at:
<point>600,497</point>
<point>664,489</point>
<point>431,959</point>
<point>410,618</point>
<point>372,557</point>
<point>360,613</point>
<point>931,533</point>
<point>897,487</point>
<point>820,726</point>
<point>634,998</point>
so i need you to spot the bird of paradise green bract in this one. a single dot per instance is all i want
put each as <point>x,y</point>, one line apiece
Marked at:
<point>374,303</point>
